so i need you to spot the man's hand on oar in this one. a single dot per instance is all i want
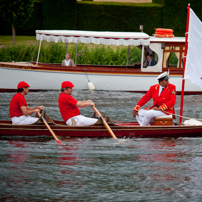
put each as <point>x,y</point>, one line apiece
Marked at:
<point>51,131</point>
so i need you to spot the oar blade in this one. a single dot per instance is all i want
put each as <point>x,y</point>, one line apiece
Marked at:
<point>49,128</point>
<point>91,86</point>
<point>58,141</point>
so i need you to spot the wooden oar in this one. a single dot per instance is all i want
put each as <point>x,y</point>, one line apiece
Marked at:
<point>106,125</point>
<point>51,131</point>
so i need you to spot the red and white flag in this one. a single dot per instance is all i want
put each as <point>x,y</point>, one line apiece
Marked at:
<point>193,68</point>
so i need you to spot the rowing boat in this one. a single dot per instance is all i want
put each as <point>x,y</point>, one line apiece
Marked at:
<point>98,130</point>
<point>126,77</point>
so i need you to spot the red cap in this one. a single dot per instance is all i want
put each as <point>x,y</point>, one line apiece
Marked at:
<point>22,84</point>
<point>67,84</point>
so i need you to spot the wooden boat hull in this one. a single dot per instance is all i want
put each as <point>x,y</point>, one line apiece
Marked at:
<point>50,77</point>
<point>121,130</point>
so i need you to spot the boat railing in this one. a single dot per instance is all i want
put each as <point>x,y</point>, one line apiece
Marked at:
<point>133,66</point>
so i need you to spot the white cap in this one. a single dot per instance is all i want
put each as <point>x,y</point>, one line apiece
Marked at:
<point>164,74</point>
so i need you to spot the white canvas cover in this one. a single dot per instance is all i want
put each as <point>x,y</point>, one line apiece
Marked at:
<point>106,38</point>
<point>193,68</point>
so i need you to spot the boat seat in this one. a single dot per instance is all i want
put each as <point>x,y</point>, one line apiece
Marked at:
<point>166,120</point>
<point>165,117</point>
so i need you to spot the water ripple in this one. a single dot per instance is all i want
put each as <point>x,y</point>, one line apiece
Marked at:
<point>164,169</point>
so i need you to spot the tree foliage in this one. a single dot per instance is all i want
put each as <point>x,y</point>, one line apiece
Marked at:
<point>16,12</point>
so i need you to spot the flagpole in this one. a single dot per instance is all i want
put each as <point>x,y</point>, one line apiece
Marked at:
<point>184,63</point>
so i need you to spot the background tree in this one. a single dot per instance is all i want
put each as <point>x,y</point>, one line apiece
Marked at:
<point>16,13</point>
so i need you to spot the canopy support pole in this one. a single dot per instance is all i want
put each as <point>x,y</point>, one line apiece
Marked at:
<point>142,56</point>
<point>184,63</point>
<point>76,55</point>
<point>38,53</point>
<point>128,55</point>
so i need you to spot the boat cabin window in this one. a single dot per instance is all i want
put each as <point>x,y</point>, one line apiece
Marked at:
<point>135,56</point>
<point>150,57</point>
<point>173,56</point>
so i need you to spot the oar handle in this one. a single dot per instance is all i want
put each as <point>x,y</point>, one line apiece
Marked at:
<point>49,128</point>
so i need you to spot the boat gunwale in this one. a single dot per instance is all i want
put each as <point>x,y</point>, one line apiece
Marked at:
<point>91,69</point>
<point>114,126</point>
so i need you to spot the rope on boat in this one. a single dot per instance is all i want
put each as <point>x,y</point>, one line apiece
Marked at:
<point>190,121</point>
<point>185,117</point>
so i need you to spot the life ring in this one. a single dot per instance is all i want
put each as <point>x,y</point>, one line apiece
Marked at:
<point>162,30</point>
<point>163,33</point>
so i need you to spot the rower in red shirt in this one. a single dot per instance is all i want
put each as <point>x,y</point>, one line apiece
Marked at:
<point>19,109</point>
<point>69,107</point>
<point>164,98</point>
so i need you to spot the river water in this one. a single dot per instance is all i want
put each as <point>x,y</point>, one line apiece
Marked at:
<point>100,169</point>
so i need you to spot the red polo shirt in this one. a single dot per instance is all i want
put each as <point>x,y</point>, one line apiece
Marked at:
<point>67,106</point>
<point>16,103</point>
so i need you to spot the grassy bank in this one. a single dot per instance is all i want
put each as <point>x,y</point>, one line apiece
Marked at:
<point>119,3</point>
<point>19,40</point>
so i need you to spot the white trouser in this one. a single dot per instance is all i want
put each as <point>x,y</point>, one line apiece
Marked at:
<point>21,120</point>
<point>81,121</point>
<point>145,116</point>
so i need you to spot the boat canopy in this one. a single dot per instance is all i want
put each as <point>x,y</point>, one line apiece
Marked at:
<point>106,38</point>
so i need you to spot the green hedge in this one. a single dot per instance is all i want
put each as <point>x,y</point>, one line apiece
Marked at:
<point>55,53</point>
<point>121,17</point>
<point>175,14</point>
<point>59,14</point>
<point>35,23</point>
<point>159,2</point>
<point>107,17</point>
<point>99,16</point>
<point>11,53</point>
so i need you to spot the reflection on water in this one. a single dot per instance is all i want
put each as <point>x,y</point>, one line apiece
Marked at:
<point>100,169</point>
